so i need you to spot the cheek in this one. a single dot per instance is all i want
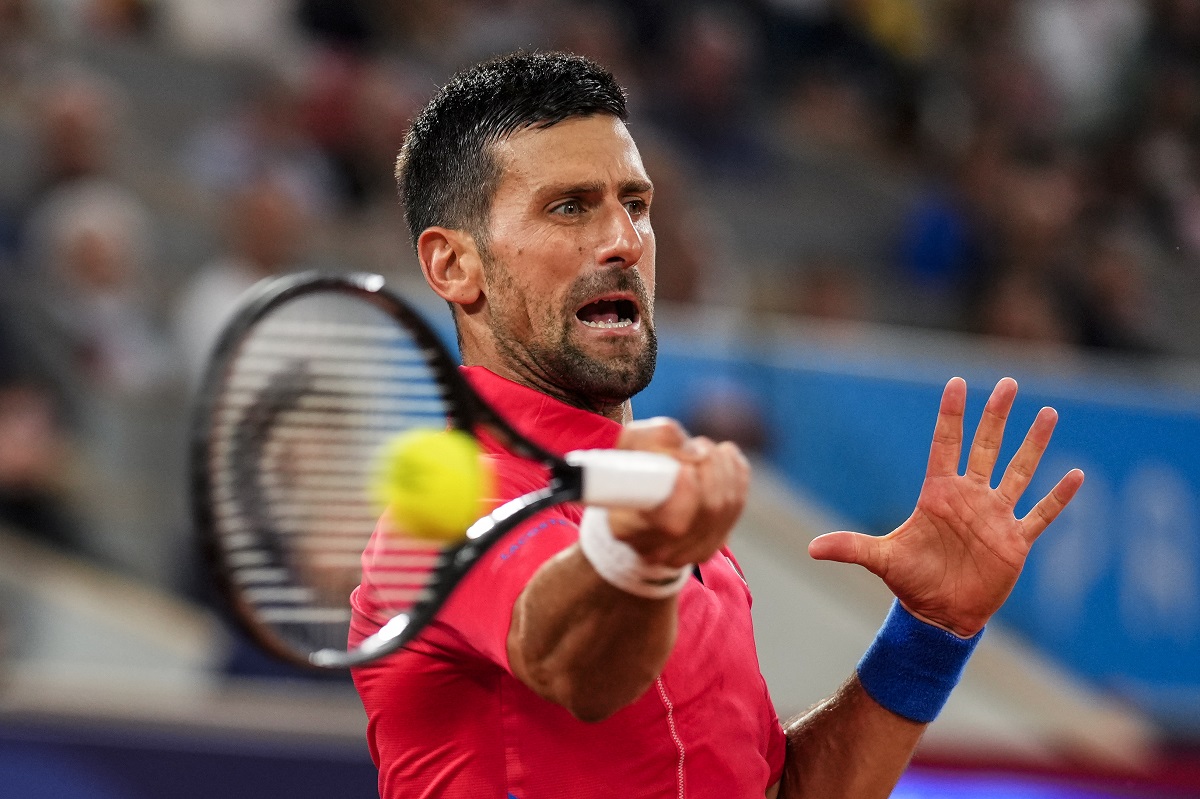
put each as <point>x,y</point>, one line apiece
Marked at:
<point>529,289</point>
<point>544,273</point>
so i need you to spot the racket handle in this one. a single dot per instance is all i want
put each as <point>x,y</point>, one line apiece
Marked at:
<point>625,478</point>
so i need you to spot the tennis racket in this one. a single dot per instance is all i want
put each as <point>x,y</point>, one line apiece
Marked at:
<point>312,375</point>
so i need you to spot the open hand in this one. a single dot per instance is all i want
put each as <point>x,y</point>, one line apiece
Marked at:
<point>955,560</point>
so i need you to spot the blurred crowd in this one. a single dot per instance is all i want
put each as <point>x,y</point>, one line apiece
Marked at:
<point>1019,169</point>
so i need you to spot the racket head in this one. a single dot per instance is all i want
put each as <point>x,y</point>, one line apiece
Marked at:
<point>312,375</point>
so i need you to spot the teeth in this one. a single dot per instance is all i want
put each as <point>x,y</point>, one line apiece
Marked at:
<point>609,325</point>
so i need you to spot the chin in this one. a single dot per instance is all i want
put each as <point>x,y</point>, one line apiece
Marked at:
<point>618,376</point>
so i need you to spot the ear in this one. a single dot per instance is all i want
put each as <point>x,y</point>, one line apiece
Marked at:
<point>451,264</point>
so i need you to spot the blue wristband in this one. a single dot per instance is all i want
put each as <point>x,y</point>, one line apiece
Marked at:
<point>911,667</point>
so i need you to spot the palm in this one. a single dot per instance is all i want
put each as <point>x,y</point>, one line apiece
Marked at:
<point>955,560</point>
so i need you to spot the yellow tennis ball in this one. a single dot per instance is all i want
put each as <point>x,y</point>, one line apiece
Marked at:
<point>434,483</point>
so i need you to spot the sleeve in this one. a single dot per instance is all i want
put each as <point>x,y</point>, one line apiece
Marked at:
<point>479,612</point>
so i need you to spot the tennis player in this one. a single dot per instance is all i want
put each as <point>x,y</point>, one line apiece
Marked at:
<point>611,654</point>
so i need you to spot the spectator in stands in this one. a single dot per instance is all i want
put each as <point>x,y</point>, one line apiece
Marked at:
<point>266,236</point>
<point>602,32</point>
<point>250,32</point>
<point>1116,307</point>
<point>357,110</point>
<point>32,466</point>
<point>264,136</point>
<point>1085,49</point>
<point>77,116</point>
<point>1022,307</point>
<point>708,102</point>
<point>1024,284</point>
<point>829,108</point>
<point>429,32</point>
<point>1167,161</point>
<point>33,447</point>
<point>1043,191</point>
<point>89,250</point>
<point>21,43</point>
<point>118,19</point>
<point>950,235</point>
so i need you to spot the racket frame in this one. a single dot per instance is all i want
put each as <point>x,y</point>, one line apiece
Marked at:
<point>472,414</point>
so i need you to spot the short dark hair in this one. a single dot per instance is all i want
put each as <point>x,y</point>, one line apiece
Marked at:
<point>446,171</point>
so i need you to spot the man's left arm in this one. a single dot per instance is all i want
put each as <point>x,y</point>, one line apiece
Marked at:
<point>951,565</point>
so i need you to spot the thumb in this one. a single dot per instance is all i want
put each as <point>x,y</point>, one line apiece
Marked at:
<point>846,547</point>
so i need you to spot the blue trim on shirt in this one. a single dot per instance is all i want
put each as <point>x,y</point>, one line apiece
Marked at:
<point>528,534</point>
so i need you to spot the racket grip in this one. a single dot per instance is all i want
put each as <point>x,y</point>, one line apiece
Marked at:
<point>625,478</point>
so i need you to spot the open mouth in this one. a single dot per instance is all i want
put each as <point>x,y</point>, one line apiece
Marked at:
<point>611,313</point>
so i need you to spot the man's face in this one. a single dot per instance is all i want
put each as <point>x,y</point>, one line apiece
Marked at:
<point>569,266</point>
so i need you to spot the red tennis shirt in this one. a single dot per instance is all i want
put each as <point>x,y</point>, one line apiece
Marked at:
<point>446,717</point>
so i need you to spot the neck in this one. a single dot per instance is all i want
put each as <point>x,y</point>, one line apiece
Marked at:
<point>520,366</point>
<point>621,412</point>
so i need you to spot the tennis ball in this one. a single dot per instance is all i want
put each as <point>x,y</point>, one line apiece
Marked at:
<point>433,483</point>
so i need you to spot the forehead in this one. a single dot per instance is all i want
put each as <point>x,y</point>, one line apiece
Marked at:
<point>579,150</point>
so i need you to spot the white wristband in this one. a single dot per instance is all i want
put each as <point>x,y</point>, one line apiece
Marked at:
<point>621,565</point>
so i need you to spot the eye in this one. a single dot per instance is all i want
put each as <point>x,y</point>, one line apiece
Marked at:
<point>637,207</point>
<point>568,208</point>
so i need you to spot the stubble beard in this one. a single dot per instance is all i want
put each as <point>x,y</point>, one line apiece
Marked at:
<point>556,362</point>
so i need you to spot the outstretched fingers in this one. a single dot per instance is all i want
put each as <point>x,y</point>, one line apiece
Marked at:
<point>948,433</point>
<point>985,448</point>
<point>1021,468</point>
<point>1051,505</point>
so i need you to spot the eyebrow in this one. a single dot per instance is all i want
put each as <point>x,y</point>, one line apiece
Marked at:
<point>595,187</point>
<point>636,187</point>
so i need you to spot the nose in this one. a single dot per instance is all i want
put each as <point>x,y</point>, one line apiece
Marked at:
<point>621,244</point>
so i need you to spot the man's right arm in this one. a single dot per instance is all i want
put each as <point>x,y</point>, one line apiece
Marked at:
<point>593,648</point>
<point>585,644</point>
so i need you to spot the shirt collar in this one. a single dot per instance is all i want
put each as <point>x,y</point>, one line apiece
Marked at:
<point>547,422</point>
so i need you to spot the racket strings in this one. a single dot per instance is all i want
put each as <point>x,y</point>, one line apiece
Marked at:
<point>313,392</point>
